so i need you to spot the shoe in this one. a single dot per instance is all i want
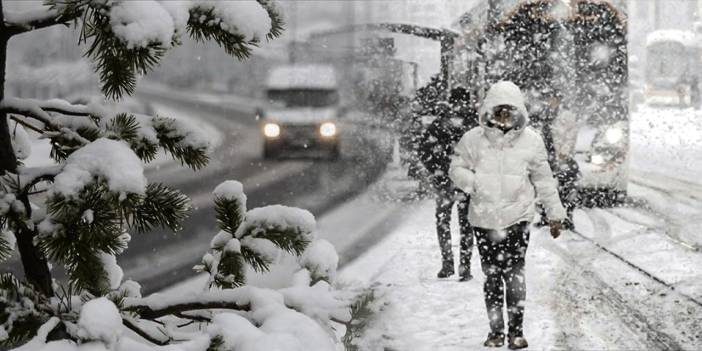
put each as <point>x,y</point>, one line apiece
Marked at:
<point>495,340</point>
<point>446,271</point>
<point>517,342</point>
<point>464,274</point>
<point>465,277</point>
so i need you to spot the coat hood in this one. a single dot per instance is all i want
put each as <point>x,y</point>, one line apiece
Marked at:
<point>504,93</point>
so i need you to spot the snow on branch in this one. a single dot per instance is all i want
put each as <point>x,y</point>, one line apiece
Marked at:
<point>66,108</point>
<point>20,22</point>
<point>129,38</point>
<point>159,305</point>
<point>33,109</point>
<point>134,326</point>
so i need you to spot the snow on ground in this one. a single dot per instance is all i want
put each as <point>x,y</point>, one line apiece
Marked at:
<point>417,311</point>
<point>667,141</point>
<point>578,297</point>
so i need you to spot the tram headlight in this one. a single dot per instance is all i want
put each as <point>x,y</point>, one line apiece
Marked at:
<point>271,130</point>
<point>613,135</point>
<point>327,129</point>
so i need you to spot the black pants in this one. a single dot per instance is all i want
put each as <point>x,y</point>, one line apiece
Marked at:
<point>444,204</point>
<point>502,260</point>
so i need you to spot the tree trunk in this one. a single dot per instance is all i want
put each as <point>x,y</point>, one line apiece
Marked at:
<point>36,268</point>
<point>8,161</point>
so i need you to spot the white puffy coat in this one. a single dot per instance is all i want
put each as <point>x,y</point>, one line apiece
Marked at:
<point>503,173</point>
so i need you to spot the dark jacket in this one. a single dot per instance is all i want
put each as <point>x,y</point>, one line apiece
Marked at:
<point>437,142</point>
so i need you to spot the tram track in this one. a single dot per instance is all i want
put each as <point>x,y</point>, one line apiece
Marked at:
<point>669,229</point>
<point>589,291</point>
<point>641,270</point>
<point>607,284</point>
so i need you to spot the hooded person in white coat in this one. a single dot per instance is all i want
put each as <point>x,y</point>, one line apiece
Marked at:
<point>503,166</point>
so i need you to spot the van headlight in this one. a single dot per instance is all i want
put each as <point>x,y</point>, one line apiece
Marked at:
<point>327,129</point>
<point>271,130</point>
<point>613,135</point>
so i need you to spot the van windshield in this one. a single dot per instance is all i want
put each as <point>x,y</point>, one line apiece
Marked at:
<point>303,97</point>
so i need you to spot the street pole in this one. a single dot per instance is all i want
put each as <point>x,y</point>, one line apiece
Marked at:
<point>494,14</point>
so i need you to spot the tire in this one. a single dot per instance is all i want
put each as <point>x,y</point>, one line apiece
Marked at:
<point>270,152</point>
<point>334,153</point>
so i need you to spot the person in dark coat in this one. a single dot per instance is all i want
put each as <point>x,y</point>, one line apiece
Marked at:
<point>560,157</point>
<point>435,148</point>
<point>695,98</point>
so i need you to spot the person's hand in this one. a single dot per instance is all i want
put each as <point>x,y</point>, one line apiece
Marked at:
<point>556,227</point>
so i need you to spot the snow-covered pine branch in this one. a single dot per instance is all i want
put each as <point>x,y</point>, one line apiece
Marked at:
<point>33,109</point>
<point>252,238</point>
<point>128,38</point>
<point>72,126</point>
<point>20,22</point>
<point>298,316</point>
<point>96,196</point>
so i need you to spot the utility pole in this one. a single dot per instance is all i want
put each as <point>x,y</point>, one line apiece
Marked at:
<point>293,32</point>
<point>494,13</point>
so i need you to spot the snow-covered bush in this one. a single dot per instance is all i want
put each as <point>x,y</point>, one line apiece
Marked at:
<point>80,212</point>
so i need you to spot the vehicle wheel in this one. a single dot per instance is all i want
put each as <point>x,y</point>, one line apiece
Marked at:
<point>269,152</point>
<point>334,153</point>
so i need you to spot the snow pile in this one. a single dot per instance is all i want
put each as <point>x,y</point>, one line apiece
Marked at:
<point>280,328</point>
<point>245,17</point>
<point>113,271</point>
<point>9,203</point>
<point>220,240</point>
<point>20,141</point>
<point>278,216</point>
<point>113,161</point>
<point>321,259</point>
<point>231,190</point>
<point>130,288</point>
<point>193,136</point>
<point>141,23</point>
<point>319,301</point>
<point>100,321</point>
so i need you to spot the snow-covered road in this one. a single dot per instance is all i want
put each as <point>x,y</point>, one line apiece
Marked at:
<point>159,259</point>
<point>630,279</point>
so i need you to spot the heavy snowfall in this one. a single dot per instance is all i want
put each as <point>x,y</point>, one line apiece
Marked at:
<point>261,175</point>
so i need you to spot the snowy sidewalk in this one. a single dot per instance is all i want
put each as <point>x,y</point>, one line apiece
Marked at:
<point>568,306</point>
<point>420,312</point>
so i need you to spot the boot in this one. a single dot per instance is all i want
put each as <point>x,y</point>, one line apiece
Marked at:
<point>464,273</point>
<point>494,340</point>
<point>446,270</point>
<point>517,342</point>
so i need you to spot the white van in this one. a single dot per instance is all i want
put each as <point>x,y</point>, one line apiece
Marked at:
<point>302,111</point>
